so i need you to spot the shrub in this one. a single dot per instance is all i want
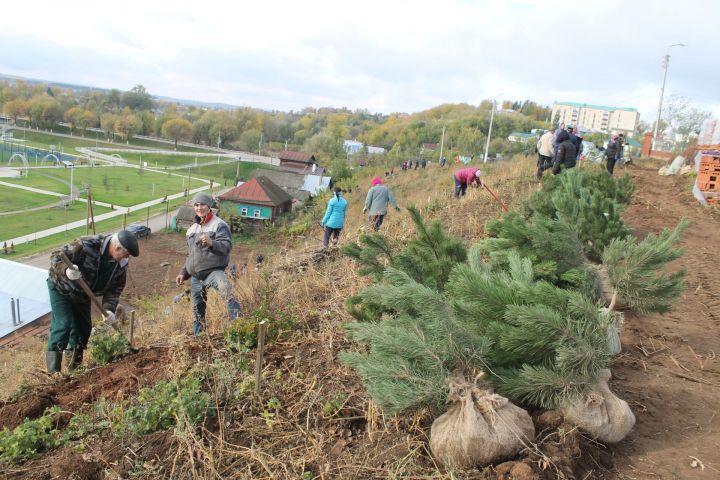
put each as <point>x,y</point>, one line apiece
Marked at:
<point>108,345</point>
<point>162,405</point>
<point>28,438</point>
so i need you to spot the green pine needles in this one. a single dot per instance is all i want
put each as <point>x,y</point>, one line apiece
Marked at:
<point>525,305</point>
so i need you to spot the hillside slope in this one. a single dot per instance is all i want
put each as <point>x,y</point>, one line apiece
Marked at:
<point>312,418</point>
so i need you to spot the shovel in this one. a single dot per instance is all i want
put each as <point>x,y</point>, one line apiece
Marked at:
<point>81,281</point>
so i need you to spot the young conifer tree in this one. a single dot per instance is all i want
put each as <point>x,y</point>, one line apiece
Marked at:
<point>634,271</point>
<point>539,343</point>
<point>588,201</point>
<point>428,259</point>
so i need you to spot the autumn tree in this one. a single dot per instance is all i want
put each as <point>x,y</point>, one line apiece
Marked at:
<point>16,108</point>
<point>177,129</point>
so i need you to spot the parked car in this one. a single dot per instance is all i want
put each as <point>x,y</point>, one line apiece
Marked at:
<point>139,230</point>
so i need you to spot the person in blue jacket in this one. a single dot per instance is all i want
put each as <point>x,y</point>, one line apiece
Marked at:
<point>334,218</point>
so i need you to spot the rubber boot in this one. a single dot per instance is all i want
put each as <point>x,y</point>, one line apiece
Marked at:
<point>73,358</point>
<point>53,360</point>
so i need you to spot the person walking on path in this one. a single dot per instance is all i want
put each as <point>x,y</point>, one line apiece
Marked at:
<point>566,154</point>
<point>465,177</point>
<point>545,152</point>
<point>334,218</point>
<point>612,151</point>
<point>101,261</point>
<point>209,245</point>
<point>376,203</point>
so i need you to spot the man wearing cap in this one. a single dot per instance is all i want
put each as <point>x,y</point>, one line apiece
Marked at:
<point>209,244</point>
<point>465,177</point>
<point>102,262</point>
<point>376,203</point>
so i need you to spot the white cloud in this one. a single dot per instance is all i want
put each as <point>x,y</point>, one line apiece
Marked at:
<point>379,55</point>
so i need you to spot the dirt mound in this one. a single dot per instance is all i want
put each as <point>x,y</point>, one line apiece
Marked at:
<point>114,381</point>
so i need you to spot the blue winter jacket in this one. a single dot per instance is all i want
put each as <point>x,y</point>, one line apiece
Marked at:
<point>335,213</point>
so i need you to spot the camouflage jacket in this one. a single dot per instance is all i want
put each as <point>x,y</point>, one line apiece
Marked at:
<point>86,253</point>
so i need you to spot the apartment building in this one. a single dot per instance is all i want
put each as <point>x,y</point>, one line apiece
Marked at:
<point>596,118</point>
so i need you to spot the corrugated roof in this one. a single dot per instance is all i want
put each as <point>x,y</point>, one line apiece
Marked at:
<point>283,179</point>
<point>260,191</point>
<point>296,156</point>
<point>28,285</point>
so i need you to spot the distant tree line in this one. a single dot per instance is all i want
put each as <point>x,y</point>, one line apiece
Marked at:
<point>321,131</point>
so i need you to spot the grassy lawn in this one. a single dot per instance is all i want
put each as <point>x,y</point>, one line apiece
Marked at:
<point>123,186</point>
<point>48,243</point>
<point>226,172</point>
<point>134,142</point>
<point>160,160</point>
<point>67,145</point>
<point>12,199</point>
<point>29,222</point>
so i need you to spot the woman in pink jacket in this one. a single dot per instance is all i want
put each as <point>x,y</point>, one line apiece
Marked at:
<point>464,177</point>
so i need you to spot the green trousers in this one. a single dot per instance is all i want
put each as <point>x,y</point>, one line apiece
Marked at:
<point>70,323</point>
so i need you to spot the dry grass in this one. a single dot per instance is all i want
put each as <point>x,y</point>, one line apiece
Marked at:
<point>304,434</point>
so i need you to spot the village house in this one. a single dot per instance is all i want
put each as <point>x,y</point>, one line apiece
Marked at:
<point>258,199</point>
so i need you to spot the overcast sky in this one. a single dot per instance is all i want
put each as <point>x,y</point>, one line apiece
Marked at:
<point>383,56</point>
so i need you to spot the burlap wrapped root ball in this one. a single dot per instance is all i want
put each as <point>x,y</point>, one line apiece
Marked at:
<point>480,428</point>
<point>600,413</point>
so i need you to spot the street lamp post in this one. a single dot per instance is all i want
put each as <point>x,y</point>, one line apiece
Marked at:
<point>666,63</point>
<point>487,142</point>
<point>72,170</point>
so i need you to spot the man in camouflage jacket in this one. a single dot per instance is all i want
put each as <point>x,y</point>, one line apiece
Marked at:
<point>102,262</point>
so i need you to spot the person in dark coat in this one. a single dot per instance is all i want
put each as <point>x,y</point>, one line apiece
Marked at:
<point>566,153</point>
<point>102,262</point>
<point>611,152</point>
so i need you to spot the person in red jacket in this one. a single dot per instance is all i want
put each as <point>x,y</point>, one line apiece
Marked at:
<point>464,177</point>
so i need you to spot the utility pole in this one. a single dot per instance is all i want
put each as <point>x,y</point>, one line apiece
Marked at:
<point>487,143</point>
<point>665,64</point>
<point>442,143</point>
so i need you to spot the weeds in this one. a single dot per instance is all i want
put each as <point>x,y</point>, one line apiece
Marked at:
<point>30,437</point>
<point>160,406</point>
<point>108,345</point>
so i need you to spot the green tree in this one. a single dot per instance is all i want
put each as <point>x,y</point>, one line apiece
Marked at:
<point>73,116</point>
<point>137,99</point>
<point>249,140</point>
<point>177,129</point>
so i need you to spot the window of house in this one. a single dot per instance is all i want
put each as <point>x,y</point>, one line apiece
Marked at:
<point>256,214</point>
<point>244,211</point>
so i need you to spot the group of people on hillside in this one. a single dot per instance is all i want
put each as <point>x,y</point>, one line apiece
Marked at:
<point>560,148</point>
<point>101,262</point>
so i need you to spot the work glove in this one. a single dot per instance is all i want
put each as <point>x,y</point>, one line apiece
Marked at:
<point>110,317</point>
<point>73,273</point>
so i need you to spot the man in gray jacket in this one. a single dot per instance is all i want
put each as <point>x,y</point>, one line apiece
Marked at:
<point>209,244</point>
<point>376,203</point>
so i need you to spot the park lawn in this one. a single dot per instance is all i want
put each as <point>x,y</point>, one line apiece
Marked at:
<point>124,186</point>
<point>160,160</point>
<point>12,199</point>
<point>226,173</point>
<point>44,179</point>
<point>112,224</point>
<point>45,140</point>
<point>29,222</point>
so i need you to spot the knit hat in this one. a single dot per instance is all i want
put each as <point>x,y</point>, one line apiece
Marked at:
<point>376,181</point>
<point>203,198</point>
<point>129,242</point>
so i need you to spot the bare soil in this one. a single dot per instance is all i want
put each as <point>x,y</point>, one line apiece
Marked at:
<point>668,372</point>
